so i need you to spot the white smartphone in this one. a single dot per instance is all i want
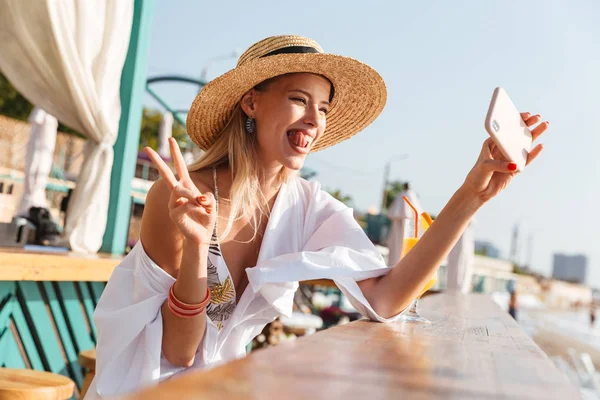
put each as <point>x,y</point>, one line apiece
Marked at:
<point>505,125</point>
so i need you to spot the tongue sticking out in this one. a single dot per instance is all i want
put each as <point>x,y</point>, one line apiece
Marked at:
<point>297,138</point>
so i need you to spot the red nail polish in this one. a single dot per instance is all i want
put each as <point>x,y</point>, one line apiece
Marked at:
<point>202,198</point>
<point>512,166</point>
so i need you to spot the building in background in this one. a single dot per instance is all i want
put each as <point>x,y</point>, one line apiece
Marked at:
<point>486,249</point>
<point>570,268</point>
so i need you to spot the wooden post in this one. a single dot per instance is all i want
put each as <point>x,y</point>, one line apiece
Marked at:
<point>133,83</point>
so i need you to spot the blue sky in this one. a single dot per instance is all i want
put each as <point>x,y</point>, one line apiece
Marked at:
<point>441,62</point>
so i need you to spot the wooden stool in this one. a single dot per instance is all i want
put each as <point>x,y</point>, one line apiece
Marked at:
<point>87,359</point>
<point>28,384</point>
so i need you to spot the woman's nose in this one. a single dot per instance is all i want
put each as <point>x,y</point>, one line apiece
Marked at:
<point>312,117</point>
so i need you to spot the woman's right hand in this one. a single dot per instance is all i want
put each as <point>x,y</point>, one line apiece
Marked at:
<point>194,213</point>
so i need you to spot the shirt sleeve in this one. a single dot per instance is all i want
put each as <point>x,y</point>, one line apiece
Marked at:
<point>129,326</point>
<point>336,248</point>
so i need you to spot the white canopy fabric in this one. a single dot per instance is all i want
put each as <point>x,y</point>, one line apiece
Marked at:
<point>38,160</point>
<point>67,57</point>
<point>165,131</point>
<point>398,212</point>
<point>459,268</point>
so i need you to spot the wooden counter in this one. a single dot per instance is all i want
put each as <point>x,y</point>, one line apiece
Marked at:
<point>472,350</point>
<point>17,264</point>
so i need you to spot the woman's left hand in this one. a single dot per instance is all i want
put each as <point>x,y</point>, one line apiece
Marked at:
<point>492,171</point>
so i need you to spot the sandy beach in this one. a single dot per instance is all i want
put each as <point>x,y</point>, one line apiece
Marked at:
<point>554,343</point>
<point>555,331</point>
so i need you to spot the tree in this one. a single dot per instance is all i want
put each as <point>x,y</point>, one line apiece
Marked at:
<point>337,194</point>
<point>12,104</point>
<point>149,130</point>
<point>307,173</point>
<point>392,190</point>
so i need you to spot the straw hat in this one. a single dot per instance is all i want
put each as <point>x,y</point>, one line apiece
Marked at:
<point>359,91</point>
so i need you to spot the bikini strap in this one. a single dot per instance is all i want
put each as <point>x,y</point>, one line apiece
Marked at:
<point>216,200</point>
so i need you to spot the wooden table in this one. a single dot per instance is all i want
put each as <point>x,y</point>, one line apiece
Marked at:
<point>17,264</point>
<point>472,350</point>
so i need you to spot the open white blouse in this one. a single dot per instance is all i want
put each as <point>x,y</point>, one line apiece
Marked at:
<point>310,235</point>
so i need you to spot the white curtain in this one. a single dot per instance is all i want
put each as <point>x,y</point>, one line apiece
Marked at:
<point>66,56</point>
<point>165,131</point>
<point>38,160</point>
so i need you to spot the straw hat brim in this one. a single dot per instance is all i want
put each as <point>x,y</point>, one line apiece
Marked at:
<point>360,95</point>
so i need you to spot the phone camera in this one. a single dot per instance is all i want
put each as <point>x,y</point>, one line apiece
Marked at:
<point>495,125</point>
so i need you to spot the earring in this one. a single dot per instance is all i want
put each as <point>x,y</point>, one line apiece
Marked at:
<point>250,125</point>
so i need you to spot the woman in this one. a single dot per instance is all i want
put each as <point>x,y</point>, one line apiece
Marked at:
<point>224,243</point>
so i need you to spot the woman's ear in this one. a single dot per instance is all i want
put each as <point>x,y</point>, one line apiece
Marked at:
<point>247,103</point>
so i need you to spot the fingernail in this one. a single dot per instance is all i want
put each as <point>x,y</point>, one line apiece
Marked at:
<point>537,115</point>
<point>548,122</point>
<point>512,166</point>
<point>209,211</point>
<point>202,198</point>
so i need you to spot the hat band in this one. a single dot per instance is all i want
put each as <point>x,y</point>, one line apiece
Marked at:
<point>292,50</point>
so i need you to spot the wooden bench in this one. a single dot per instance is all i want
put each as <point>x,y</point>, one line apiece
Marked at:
<point>471,350</point>
<point>23,384</point>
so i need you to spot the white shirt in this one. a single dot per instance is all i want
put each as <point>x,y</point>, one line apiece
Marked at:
<point>310,235</point>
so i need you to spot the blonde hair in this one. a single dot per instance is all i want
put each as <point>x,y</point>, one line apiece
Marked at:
<point>238,149</point>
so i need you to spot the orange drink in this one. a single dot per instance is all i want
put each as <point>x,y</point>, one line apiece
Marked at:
<point>407,245</point>
<point>411,237</point>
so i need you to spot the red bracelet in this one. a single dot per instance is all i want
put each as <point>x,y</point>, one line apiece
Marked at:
<point>187,306</point>
<point>184,310</point>
<point>184,314</point>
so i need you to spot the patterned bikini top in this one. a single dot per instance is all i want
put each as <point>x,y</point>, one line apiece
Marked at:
<point>222,290</point>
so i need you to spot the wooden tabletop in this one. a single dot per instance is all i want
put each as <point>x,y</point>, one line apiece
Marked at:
<point>472,350</point>
<point>17,264</point>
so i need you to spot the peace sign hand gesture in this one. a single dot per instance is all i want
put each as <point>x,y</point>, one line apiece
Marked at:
<point>193,212</point>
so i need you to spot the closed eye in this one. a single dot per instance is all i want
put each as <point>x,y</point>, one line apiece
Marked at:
<point>300,99</point>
